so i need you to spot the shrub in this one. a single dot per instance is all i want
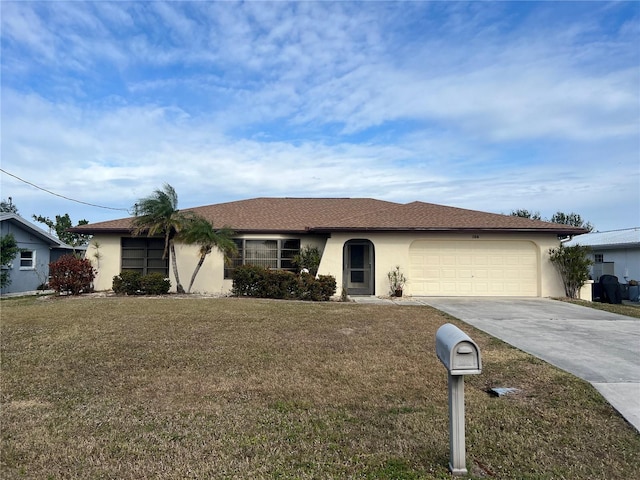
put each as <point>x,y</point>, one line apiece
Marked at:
<point>249,281</point>
<point>308,288</point>
<point>71,274</point>
<point>573,265</point>
<point>396,280</point>
<point>280,284</point>
<point>155,284</point>
<point>8,251</point>
<point>309,258</point>
<point>327,286</point>
<point>127,283</point>
<point>316,289</point>
<point>134,283</point>
<point>255,281</point>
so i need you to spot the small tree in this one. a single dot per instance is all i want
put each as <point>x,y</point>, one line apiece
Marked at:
<point>8,251</point>
<point>8,206</point>
<point>71,274</point>
<point>198,230</point>
<point>522,213</point>
<point>158,214</point>
<point>572,219</point>
<point>573,265</point>
<point>61,226</point>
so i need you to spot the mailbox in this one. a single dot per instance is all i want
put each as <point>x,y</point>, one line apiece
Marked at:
<point>458,353</point>
<point>461,356</point>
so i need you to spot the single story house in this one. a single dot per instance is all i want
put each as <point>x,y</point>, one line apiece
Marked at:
<point>443,251</point>
<point>30,269</point>
<point>615,252</point>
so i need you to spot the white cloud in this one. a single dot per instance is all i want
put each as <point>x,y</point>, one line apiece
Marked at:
<point>470,104</point>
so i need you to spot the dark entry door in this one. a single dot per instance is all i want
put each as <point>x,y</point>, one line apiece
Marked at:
<point>358,267</point>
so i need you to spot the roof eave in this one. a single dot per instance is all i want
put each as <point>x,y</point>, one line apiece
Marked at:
<point>611,246</point>
<point>97,231</point>
<point>445,229</point>
<point>275,231</point>
<point>50,240</point>
<point>328,230</point>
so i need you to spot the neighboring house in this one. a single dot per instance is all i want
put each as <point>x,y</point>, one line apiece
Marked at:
<point>30,268</point>
<point>441,250</point>
<point>616,252</point>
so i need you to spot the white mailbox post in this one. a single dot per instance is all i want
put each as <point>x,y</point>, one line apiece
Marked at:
<point>461,356</point>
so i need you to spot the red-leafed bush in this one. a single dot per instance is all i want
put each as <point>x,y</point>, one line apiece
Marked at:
<point>71,274</point>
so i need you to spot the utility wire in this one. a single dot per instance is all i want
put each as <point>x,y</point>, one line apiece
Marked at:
<point>61,196</point>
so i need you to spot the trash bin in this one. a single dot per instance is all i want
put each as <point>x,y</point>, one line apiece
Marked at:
<point>634,293</point>
<point>610,289</point>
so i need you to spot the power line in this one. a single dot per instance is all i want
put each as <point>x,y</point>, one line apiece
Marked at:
<point>61,196</point>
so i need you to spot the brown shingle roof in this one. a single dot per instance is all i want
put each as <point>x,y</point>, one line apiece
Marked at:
<point>297,215</point>
<point>429,216</point>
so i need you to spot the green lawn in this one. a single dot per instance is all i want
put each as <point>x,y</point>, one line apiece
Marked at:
<point>177,388</point>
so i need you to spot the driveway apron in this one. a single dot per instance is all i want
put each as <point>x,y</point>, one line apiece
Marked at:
<point>600,347</point>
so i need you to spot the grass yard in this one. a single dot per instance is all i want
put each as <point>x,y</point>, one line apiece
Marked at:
<point>177,388</point>
<point>630,310</point>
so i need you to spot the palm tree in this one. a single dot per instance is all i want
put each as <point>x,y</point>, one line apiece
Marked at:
<point>200,231</point>
<point>158,214</point>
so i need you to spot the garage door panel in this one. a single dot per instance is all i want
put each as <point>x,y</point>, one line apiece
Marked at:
<point>459,268</point>
<point>497,260</point>
<point>480,260</point>
<point>463,275</point>
<point>512,275</point>
<point>465,260</point>
<point>446,273</point>
<point>497,275</point>
<point>432,260</point>
<point>448,260</point>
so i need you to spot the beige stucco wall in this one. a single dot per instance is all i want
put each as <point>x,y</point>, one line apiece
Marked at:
<point>391,249</point>
<point>108,265</point>
<point>107,247</point>
<point>210,278</point>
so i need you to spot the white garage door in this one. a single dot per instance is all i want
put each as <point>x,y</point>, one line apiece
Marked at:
<point>473,268</point>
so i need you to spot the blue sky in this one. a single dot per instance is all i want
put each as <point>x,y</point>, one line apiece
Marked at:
<point>491,106</point>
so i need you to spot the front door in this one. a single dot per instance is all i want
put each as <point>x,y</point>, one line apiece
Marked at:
<point>358,267</point>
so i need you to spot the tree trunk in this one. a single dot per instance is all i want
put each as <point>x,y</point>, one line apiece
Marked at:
<point>195,272</point>
<point>174,263</point>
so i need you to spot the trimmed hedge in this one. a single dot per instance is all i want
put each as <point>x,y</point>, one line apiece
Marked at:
<point>134,283</point>
<point>155,284</point>
<point>255,281</point>
<point>127,283</point>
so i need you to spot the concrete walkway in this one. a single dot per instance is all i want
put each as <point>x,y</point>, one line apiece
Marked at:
<point>600,347</point>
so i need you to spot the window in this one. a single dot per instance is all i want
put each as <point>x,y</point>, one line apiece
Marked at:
<point>599,258</point>
<point>275,254</point>
<point>144,255</point>
<point>27,260</point>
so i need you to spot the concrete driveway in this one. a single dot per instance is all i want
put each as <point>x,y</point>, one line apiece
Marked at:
<point>600,347</point>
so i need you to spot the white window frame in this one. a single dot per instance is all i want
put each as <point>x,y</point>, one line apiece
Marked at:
<point>33,260</point>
